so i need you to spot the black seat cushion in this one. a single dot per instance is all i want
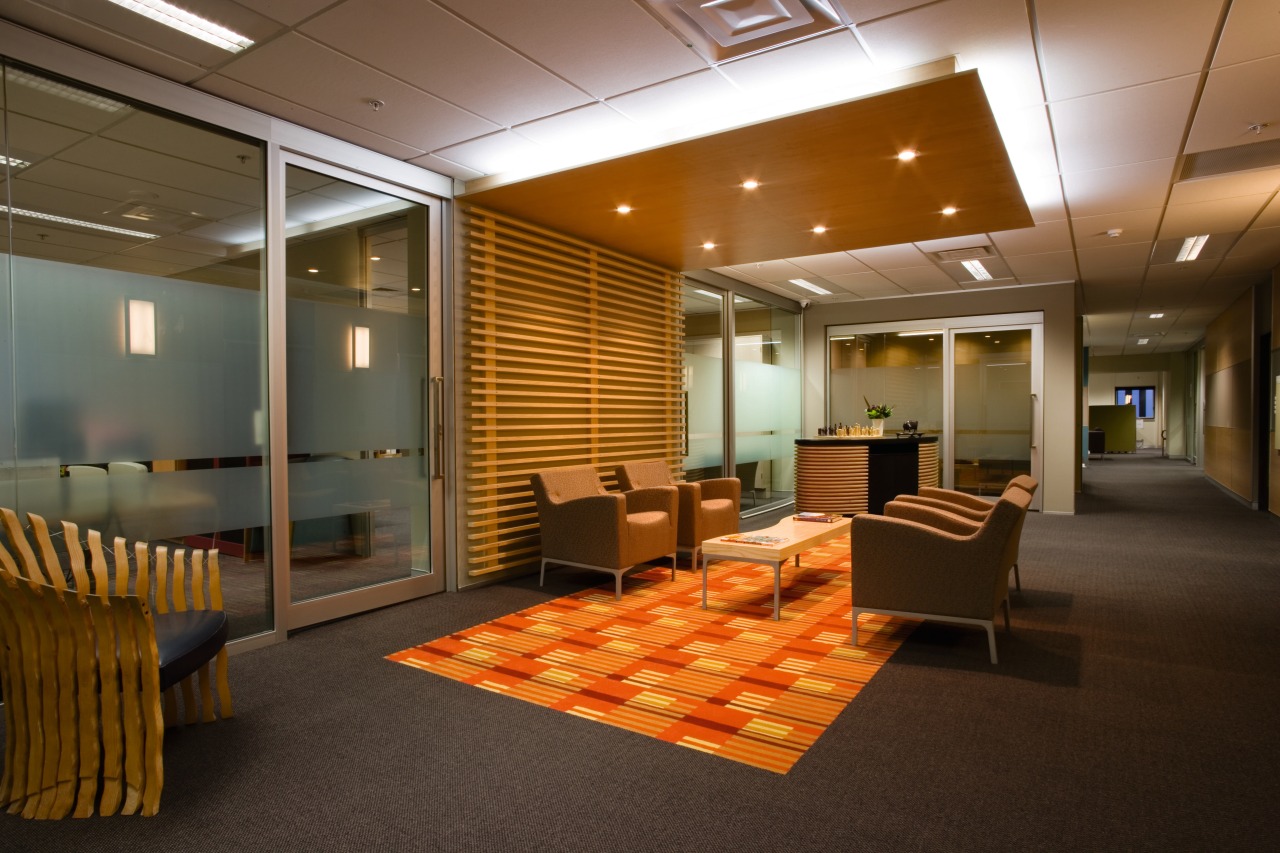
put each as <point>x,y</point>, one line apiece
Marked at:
<point>187,641</point>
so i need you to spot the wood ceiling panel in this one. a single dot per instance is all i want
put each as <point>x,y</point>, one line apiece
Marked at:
<point>836,165</point>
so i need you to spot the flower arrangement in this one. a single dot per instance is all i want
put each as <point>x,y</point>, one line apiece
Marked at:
<point>880,411</point>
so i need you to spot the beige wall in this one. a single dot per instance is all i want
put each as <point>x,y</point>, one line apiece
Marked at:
<point>1168,372</point>
<point>1228,364</point>
<point>1273,449</point>
<point>1061,379</point>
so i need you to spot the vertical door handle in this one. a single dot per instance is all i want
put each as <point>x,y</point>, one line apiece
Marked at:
<point>437,431</point>
<point>1033,421</point>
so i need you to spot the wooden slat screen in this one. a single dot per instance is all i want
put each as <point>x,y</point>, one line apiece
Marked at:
<point>573,355</point>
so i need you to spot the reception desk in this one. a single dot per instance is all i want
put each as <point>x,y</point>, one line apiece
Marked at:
<point>853,475</point>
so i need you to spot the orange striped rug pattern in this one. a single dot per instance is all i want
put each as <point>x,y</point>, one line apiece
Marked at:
<point>727,680</point>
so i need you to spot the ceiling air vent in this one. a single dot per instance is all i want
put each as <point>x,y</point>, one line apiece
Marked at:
<point>1238,158</point>
<point>974,253</point>
<point>722,29</point>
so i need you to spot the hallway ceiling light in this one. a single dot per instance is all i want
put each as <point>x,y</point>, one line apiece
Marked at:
<point>977,270</point>
<point>1156,316</point>
<point>14,162</point>
<point>708,294</point>
<point>1191,248</point>
<point>79,223</point>
<point>1143,341</point>
<point>810,286</point>
<point>183,21</point>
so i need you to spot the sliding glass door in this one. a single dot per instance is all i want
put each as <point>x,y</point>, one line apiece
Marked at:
<point>766,402</point>
<point>974,381</point>
<point>362,353</point>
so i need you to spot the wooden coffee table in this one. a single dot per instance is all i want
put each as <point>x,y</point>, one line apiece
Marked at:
<point>796,537</point>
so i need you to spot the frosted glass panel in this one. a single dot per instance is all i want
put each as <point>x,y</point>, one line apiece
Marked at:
<point>767,411</point>
<point>358,479</point>
<point>703,383</point>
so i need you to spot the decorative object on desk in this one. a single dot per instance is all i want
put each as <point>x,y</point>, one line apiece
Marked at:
<point>910,427</point>
<point>877,413</point>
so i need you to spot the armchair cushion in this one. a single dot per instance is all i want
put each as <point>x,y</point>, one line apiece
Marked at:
<point>707,508</point>
<point>187,640</point>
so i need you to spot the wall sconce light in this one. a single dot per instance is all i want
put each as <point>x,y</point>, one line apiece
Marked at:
<point>142,327</point>
<point>359,346</point>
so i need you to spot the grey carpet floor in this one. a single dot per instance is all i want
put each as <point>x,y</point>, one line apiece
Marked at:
<point>1135,707</point>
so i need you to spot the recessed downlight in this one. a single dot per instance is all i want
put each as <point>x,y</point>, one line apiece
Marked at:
<point>906,155</point>
<point>750,184</point>
<point>708,245</point>
<point>819,229</point>
<point>623,208</point>
<point>948,211</point>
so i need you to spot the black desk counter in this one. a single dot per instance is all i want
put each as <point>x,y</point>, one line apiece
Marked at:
<point>862,473</point>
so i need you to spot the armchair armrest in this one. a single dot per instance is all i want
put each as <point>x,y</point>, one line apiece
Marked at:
<point>945,506</point>
<point>931,516</point>
<point>951,496</point>
<point>722,488</point>
<point>653,499</point>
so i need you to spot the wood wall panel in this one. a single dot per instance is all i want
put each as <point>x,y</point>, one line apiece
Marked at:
<point>1228,427</point>
<point>573,356</point>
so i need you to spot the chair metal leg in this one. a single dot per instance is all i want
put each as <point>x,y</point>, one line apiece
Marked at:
<point>542,575</point>
<point>1004,605</point>
<point>617,586</point>
<point>991,641</point>
<point>1017,578</point>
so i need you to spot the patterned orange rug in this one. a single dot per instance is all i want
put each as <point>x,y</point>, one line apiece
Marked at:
<point>727,680</point>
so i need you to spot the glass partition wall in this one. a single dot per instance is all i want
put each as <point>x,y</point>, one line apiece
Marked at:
<point>135,295</point>
<point>703,384</point>
<point>974,381</point>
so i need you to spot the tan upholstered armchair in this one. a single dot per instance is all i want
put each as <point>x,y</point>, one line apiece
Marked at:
<point>708,508</point>
<point>949,570</point>
<point>975,509</point>
<point>585,526</point>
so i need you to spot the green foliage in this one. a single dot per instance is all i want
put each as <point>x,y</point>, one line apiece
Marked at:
<point>879,411</point>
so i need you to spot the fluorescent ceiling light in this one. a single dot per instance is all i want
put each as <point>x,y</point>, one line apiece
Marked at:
<point>14,162</point>
<point>1156,316</point>
<point>80,223</point>
<point>62,90</point>
<point>709,294</point>
<point>977,270</point>
<point>810,286</point>
<point>918,334</point>
<point>1191,248</point>
<point>1143,341</point>
<point>185,22</point>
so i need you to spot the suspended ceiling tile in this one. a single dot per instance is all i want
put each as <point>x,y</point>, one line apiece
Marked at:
<point>1134,186</point>
<point>1226,186</point>
<point>1270,217</point>
<point>772,271</point>
<point>1028,138</point>
<point>1172,274</point>
<point>833,63</point>
<point>1235,98</point>
<point>446,167</point>
<point>445,56</point>
<point>32,139</point>
<point>299,71</point>
<point>1259,245</point>
<point>916,278</point>
<point>1125,126</point>
<point>883,258</point>
<point>861,11</point>
<point>832,263</point>
<point>1211,217</point>
<point>1044,237</point>
<point>1089,46</point>
<point>1102,259</point>
<point>641,52</point>
<point>969,241</point>
<point>866,284</point>
<point>1043,195</point>
<point>1043,268</point>
<point>996,40</point>
<point>1260,264</point>
<point>287,12</point>
<point>497,152</point>
<point>1105,298</point>
<point>695,98</point>
<point>1135,226</point>
<point>1252,32</point>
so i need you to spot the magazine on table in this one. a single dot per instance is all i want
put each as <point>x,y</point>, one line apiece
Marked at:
<point>753,539</point>
<point>820,517</point>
